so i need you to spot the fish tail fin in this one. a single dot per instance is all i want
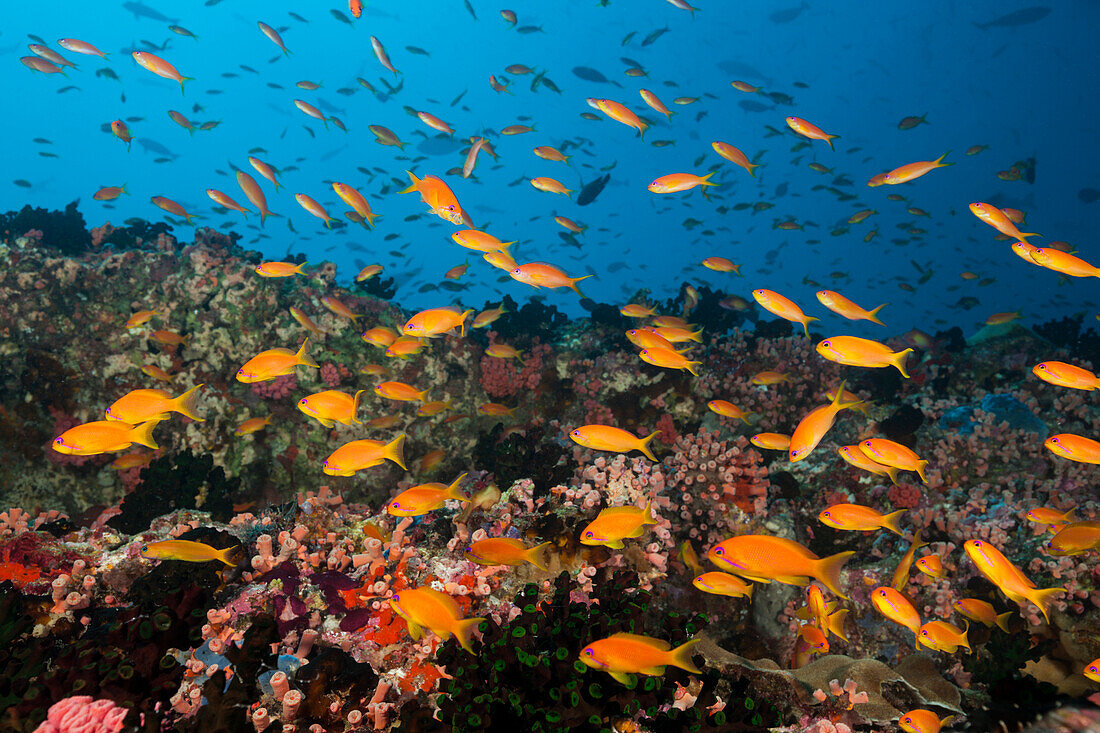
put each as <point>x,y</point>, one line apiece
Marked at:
<point>962,637</point>
<point>537,555</point>
<point>898,360</point>
<point>806,324</point>
<point>828,571</point>
<point>691,367</point>
<point>1002,620</point>
<point>1029,234</point>
<point>298,269</point>
<point>355,406</point>
<point>681,656</point>
<point>305,359</point>
<point>829,139</point>
<point>752,169</point>
<point>873,314</point>
<point>369,218</point>
<point>892,474</point>
<point>230,555</point>
<point>706,179</point>
<point>647,513</point>
<point>1043,597</point>
<point>465,314</point>
<point>395,451</point>
<point>920,470</point>
<point>186,403</point>
<point>1070,516</point>
<point>464,631</point>
<point>836,624</point>
<point>643,446</point>
<point>143,434</point>
<point>891,520</point>
<point>454,492</point>
<point>573,284</point>
<point>415,183</point>
<point>943,165</point>
<point>423,396</point>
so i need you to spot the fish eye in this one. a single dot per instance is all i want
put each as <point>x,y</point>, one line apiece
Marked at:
<point>826,513</point>
<point>397,505</point>
<point>588,652</point>
<point>588,534</point>
<point>144,549</point>
<point>977,543</point>
<point>395,597</point>
<point>719,551</point>
<point>825,343</point>
<point>1043,367</point>
<point>924,632</point>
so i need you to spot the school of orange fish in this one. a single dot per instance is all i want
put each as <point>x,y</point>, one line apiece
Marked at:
<point>741,560</point>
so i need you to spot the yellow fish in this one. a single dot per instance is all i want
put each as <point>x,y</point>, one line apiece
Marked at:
<point>426,608</point>
<point>188,551</point>
<point>140,405</point>
<point>424,498</point>
<point>506,551</point>
<point>360,454</point>
<point>331,407</point>
<point>606,437</point>
<point>104,436</point>
<point>614,524</point>
<point>273,363</point>
<point>1011,581</point>
<point>625,654</point>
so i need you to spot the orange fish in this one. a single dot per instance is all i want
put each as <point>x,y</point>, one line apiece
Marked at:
<point>368,272</point>
<point>495,409</point>
<point>223,199</point>
<point>728,409</point>
<point>655,103</point>
<point>503,351</point>
<point>771,441</point>
<point>140,318</point>
<point>677,182</point>
<point>896,607</point>
<point>854,351</point>
<point>479,241</point>
<point>932,566</point>
<point>160,67</point>
<point>923,721</point>
<point>188,551</point>
<point>859,518</point>
<point>436,322</point>
<point>254,194</point>
<point>614,524</point>
<point>723,584</point>
<point>668,358</point>
<point>360,454</point>
<point>157,373</point>
<point>633,310</point>
<point>171,207</point>
<point>901,573</point>
<point>427,608</point>
<point>311,205</point>
<point>1063,262</point>
<point>542,275</point>
<point>439,197</point>
<point>141,405</point>
<point>1066,375</point>
<point>889,453</point>
<point>274,363</point>
<point>1075,538</point>
<point>620,114</point>
<point>768,378</point>
<point>982,612</point>
<point>337,307</point>
<point>109,193</point>
<point>644,338</point>
<point>813,427</point>
<point>132,460</point>
<point>775,303</point>
<point>547,152</point>
<point>763,558</point>
<point>355,7</point>
<point>428,409</point>
<point>379,336</point>
<point>721,264</point>
<point>806,129</point>
<point>331,407</point>
<point>356,201</point>
<point>424,498</point>
<point>997,219</point>
<point>992,563</point>
<point>840,305</point>
<point>506,551</point>
<point>734,155</point>
<point>616,440</point>
<point>279,269</point>
<point>404,347</point>
<point>1074,448</point>
<point>252,425</point>
<point>551,185</point>
<point>104,436</point>
<point>400,392</point>
<point>78,46</point>
<point>942,636</point>
<point>1051,517</point>
<point>853,456</point>
<point>487,317</point>
<point>912,171</point>
<point>623,654</point>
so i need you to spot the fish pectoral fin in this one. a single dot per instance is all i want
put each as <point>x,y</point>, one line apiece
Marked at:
<point>657,671</point>
<point>415,631</point>
<point>621,677</point>
<point>327,423</point>
<point>614,544</point>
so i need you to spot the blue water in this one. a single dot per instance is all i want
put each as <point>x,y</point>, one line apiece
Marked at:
<point>1024,90</point>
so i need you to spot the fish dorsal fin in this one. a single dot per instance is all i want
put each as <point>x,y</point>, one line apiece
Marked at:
<point>659,644</point>
<point>620,511</point>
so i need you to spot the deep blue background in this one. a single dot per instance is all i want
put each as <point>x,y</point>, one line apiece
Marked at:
<point>1024,91</point>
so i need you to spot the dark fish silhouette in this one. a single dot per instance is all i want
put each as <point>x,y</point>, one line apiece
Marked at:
<point>590,74</point>
<point>592,189</point>
<point>786,16</point>
<point>141,10</point>
<point>1024,16</point>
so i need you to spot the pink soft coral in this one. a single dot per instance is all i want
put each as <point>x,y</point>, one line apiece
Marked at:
<point>82,714</point>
